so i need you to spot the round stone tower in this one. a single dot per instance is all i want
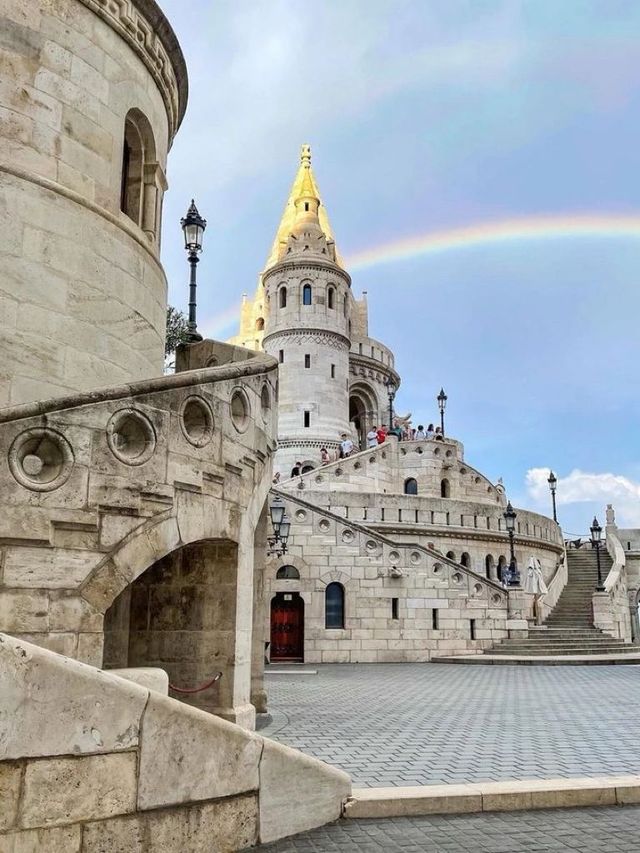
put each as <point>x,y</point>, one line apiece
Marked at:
<point>93,96</point>
<point>307,307</point>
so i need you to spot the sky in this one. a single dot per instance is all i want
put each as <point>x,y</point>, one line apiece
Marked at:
<point>443,117</point>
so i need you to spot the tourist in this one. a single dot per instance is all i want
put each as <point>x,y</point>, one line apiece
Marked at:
<point>295,471</point>
<point>372,437</point>
<point>430,432</point>
<point>324,456</point>
<point>346,446</point>
<point>382,434</point>
<point>420,433</point>
<point>276,478</point>
<point>438,434</point>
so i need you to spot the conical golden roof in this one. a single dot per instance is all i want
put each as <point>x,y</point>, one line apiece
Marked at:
<point>304,186</point>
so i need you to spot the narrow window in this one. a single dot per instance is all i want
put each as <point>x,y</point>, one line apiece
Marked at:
<point>281,356</point>
<point>417,519</point>
<point>399,515</point>
<point>330,300</point>
<point>260,324</point>
<point>306,205</point>
<point>465,560</point>
<point>382,514</point>
<point>307,419</point>
<point>411,486</point>
<point>306,294</point>
<point>434,619</point>
<point>359,349</point>
<point>140,198</point>
<point>333,371</point>
<point>472,628</point>
<point>307,361</point>
<point>394,608</point>
<point>445,489</point>
<point>345,306</point>
<point>334,606</point>
<point>283,297</point>
<point>364,514</point>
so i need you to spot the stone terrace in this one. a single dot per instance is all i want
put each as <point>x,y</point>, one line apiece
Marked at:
<point>422,724</point>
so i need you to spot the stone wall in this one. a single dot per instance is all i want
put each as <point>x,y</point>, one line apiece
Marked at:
<point>375,570</point>
<point>82,292</point>
<point>100,487</point>
<point>100,763</point>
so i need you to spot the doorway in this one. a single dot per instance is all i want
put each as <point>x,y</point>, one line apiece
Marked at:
<point>287,627</point>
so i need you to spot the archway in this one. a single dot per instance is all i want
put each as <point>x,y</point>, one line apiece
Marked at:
<point>465,560</point>
<point>363,410</point>
<point>489,566</point>
<point>287,627</point>
<point>179,615</point>
<point>502,567</point>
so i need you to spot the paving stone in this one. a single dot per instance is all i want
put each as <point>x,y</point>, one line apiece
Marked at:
<point>598,830</point>
<point>400,724</point>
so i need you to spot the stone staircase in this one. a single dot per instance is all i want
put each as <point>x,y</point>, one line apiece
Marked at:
<point>569,629</point>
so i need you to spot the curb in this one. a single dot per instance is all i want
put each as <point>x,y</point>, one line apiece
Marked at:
<point>493,796</point>
<point>541,660</point>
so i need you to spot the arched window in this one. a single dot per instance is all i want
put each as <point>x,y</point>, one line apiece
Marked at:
<point>445,488</point>
<point>344,306</point>
<point>489,566</point>
<point>334,606</point>
<point>306,294</point>
<point>411,486</point>
<point>283,297</point>
<point>465,560</point>
<point>289,573</point>
<point>451,556</point>
<point>260,324</point>
<point>502,565</point>
<point>142,178</point>
<point>330,298</point>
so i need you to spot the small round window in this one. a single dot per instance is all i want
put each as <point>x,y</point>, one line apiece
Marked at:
<point>131,437</point>
<point>240,411</point>
<point>196,421</point>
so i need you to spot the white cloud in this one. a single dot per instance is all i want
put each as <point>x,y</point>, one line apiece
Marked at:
<point>585,487</point>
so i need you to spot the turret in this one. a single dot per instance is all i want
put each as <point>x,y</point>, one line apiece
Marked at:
<point>307,295</point>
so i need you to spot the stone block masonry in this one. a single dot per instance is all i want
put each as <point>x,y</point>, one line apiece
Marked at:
<point>98,763</point>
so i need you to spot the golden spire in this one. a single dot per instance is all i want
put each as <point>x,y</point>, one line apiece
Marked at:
<point>304,186</point>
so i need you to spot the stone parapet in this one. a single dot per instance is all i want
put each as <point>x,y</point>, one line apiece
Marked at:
<point>100,763</point>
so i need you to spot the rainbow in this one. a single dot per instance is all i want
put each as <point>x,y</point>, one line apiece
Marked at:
<point>218,325</point>
<point>527,228</point>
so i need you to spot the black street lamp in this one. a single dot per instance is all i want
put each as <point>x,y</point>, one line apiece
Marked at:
<point>391,391</point>
<point>596,535</point>
<point>553,485</point>
<point>510,516</point>
<point>193,226</point>
<point>281,527</point>
<point>442,405</point>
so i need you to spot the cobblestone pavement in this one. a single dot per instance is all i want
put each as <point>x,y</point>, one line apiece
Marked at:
<point>421,724</point>
<point>602,830</point>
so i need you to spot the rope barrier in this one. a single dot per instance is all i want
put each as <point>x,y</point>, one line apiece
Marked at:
<point>202,687</point>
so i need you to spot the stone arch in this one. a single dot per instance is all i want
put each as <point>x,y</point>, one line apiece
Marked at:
<point>307,294</point>
<point>502,566</point>
<point>288,573</point>
<point>141,178</point>
<point>489,566</point>
<point>465,560</point>
<point>451,556</point>
<point>331,297</point>
<point>445,488</point>
<point>334,606</point>
<point>363,410</point>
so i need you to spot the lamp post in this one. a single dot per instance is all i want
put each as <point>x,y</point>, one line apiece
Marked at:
<point>596,534</point>
<point>553,485</point>
<point>442,404</point>
<point>281,527</point>
<point>193,226</point>
<point>391,391</point>
<point>510,516</point>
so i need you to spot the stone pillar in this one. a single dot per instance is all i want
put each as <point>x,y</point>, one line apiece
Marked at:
<point>258,692</point>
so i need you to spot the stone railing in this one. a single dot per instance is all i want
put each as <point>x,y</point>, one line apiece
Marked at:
<point>611,608</point>
<point>405,554</point>
<point>554,587</point>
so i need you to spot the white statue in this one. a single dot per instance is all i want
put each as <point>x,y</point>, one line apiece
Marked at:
<point>534,584</point>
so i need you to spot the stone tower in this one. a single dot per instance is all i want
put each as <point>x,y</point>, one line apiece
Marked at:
<point>306,325</point>
<point>95,93</point>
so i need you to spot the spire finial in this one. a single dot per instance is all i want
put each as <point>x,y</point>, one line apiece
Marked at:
<point>305,155</point>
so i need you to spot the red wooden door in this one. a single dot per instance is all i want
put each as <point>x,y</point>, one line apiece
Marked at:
<point>287,627</point>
